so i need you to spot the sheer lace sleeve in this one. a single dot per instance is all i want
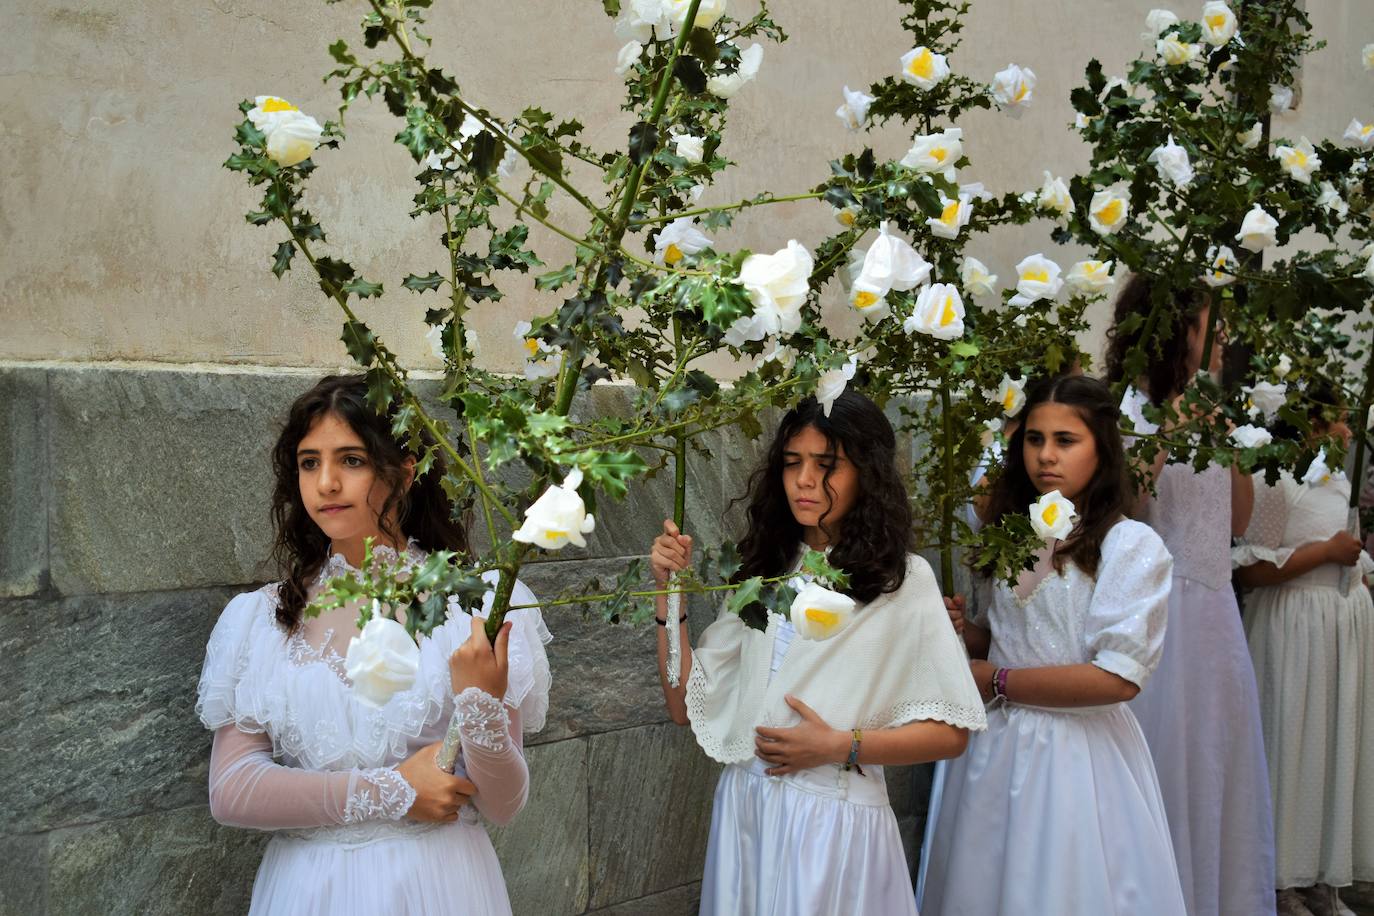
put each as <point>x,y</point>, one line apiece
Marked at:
<point>1130,603</point>
<point>249,789</point>
<point>1264,537</point>
<point>493,754</point>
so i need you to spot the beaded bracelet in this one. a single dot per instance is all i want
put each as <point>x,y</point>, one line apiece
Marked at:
<point>852,762</point>
<point>999,683</point>
<point>664,623</point>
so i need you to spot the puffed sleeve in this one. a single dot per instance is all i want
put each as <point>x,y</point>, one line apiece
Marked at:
<point>725,686</point>
<point>1264,536</point>
<point>224,695</point>
<point>1130,603</point>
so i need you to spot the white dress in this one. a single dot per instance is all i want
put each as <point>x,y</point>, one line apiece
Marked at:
<point>1057,811</point>
<point>821,841</point>
<point>297,754</point>
<point>1200,712</point>
<point>1313,649</point>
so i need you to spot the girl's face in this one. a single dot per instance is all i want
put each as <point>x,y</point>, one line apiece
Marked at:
<point>1059,450</point>
<point>338,483</point>
<point>806,458</point>
<point>1197,339</point>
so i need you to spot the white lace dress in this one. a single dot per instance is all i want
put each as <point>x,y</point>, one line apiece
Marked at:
<point>1313,648</point>
<point>1200,712</point>
<point>1058,811</point>
<point>296,754</point>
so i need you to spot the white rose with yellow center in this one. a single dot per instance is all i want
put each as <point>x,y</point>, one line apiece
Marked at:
<point>1012,89</point>
<point>890,263</point>
<point>1299,160</point>
<point>832,383</point>
<point>1011,395</point>
<point>923,68</point>
<point>678,241</point>
<point>977,280</point>
<point>1363,134</point>
<point>954,215</point>
<point>541,359</point>
<point>382,660</point>
<point>939,312</point>
<point>1108,211</point>
<point>936,153</point>
<point>1258,230</point>
<point>1090,278</point>
<point>708,12</point>
<point>1222,264</point>
<point>847,216</point>
<point>1176,53</point>
<point>1329,199</point>
<point>1218,23</point>
<point>777,285</point>
<point>1054,196</point>
<point>1172,161</point>
<point>1052,516</point>
<point>291,136</point>
<point>557,518</point>
<point>1318,473</point>
<point>854,111</point>
<point>1249,436</point>
<point>725,85</point>
<point>1037,277</point>
<point>1252,137</point>
<point>1266,398</point>
<point>269,110</point>
<point>819,613</point>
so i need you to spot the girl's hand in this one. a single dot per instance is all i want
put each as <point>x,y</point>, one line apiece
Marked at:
<point>801,747</point>
<point>438,795</point>
<point>1343,548</point>
<point>955,608</point>
<point>983,670</point>
<point>671,551</point>
<point>477,663</point>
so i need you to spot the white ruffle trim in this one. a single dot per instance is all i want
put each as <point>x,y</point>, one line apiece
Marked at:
<point>250,681</point>
<point>1246,554</point>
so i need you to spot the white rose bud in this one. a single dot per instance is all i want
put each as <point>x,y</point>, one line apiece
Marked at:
<point>628,57</point>
<point>1218,23</point>
<point>1280,99</point>
<point>1090,278</point>
<point>819,613</point>
<point>688,147</point>
<point>1052,516</point>
<point>1173,162</point>
<point>1283,366</point>
<point>1266,397</point>
<point>291,139</point>
<point>382,660</point>
<point>1155,24</point>
<point>1175,53</point>
<point>726,85</point>
<point>1251,138</point>
<point>708,12</point>
<point>1318,473</point>
<point>939,312</point>
<point>854,111</point>
<point>1054,196</point>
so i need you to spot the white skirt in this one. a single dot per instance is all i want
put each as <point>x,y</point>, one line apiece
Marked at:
<point>813,843</point>
<point>1313,650</point>
<point>392,868</point>
<point>1052,812</point>
<point>1200,715</point>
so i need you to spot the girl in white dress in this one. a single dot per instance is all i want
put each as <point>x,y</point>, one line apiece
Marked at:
<point>363,820</point>
<point>1056,809</point>
<point>1313,648</point>
<point>801,825</point>
<point>1200,712</point>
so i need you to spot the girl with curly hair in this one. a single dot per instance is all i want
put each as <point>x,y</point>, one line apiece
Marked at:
<point>806,717</point>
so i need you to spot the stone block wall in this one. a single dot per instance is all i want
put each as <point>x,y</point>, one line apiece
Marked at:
<point>134,505</point>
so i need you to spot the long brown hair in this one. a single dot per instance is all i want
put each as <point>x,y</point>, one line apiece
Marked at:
<point>1166,360</point>
<point>422,512</point>
<point>1106,497</point>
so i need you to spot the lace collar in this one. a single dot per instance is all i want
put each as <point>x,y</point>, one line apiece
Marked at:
<point>337,566</point>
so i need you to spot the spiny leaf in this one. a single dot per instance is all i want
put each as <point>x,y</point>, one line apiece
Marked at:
<point>281,261</point>
<point>420,284</point>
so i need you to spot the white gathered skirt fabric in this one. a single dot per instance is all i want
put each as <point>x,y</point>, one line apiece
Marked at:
<point>829,845</point>
<point>1052,812</point>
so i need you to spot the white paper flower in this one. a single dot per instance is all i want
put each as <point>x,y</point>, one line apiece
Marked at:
<point>936,153</point>
<point>1012,89</point>
<point>1223,262</point>
<point>1133,404</point>
<point>832,383</point>
<point>1318,473</point>
<point>923,68</point>
<point>1283,366</point>
<point>975,277</point>
<point>382,660</point>
<point>1328,198</point>
<point>776,351</point>
<point>1363,134</point>
<point>890,263</point>
<point>557,518</point>
<point>1108,211</point>
<point>1258,230</point>
<point>1218,23</point>
<point>1172,160</point>
<point>1011,395</point>
<point>854,111</point>
<point>1054,196</point>
<point>678,240</point>
<point>269,111</point>
<point>708,13</point>
<point>1280,99</point>
<point>1249,436</point>
<point>725,85</point>
<point>819,613</point>
<point>541,359</point>
<point>1052,516</point>
<point>1367,56</point>
<point>1251,138</point>
<point>777,285</point>
<point>939,312</point>
<point>1299,161</point>
<point>1175,53</point>
<point>644,20</point>
<point>689,147</point>
<point>1266,398</point>
<point>628,57</point>
<point>1155,24</point>
<point>847,216</point>
<point>439,160</point>
<point>954,215</point>
<point>291,135</point>
<point>1090,278</point>
<point>1037,277</point>
<point>435,337</point>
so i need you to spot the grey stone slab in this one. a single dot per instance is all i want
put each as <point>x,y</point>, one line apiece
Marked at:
<point>543,852</point>
<point>650,810</point>
<point>680,901</point>
<point>170,862</point>
<point>24,875</point>
<point>105,687</point>
<point>24,481</point>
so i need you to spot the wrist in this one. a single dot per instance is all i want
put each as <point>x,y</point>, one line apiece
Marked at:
<point>839,745</point>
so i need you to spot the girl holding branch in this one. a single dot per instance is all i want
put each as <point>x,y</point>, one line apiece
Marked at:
<point>806,712</point>
<point>338,758</point>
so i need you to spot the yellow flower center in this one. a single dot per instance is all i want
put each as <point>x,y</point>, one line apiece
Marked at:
<point>922,65</point>
<point>552,533</point>
<point>948,316</point>
<point>1367,130</point>
<point>1111,213</point>
<point>939,153</point>
<point>1297,159</point>
<point>863,299</point>
<point>532,347</point>
<point>847,217</point>
<point>1050,515</point>
<point>1021,92</point>
<point>672,254</point>
<point>950,216</point>
<point>276,104</point>
<point>1217,21</point>
<point>1037,276</point>
<point>1009,399</point>
<point>825,619</point>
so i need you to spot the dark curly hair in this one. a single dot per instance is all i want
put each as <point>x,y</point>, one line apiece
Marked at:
<point>872,539</point>
<point>1166,367</point>
<point>423,511</point>
<point>1105,499</point>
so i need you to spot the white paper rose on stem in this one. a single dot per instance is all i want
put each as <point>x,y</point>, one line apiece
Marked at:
<point>923,68</point>
<point>777,285</point>
<point>890,263</point>
<point>1037,277</point>
<point>1251,138</point>
<point>1133,404</point>
<point>291,136</point>
<point>975,277</point>
<point>382,660</point>
<point>725,85</point>
<point>1221,262</point>
<point>1258,230</point>
<point>936,153</point>
<point>677,241</point>
<point>1054,196</point>
<point>1363,134</point>
<point>1011,395</point>
<point>1012,89</point>
<point>1156,21</point>
<point>1108,211</point>
<point>939,312</point>
<point>1173,163</point>
<point>854,111</point>
<point>1265,398</point>
<point>954,215</point>
<point>628,57</point>
<point>1299,160</point>
<point>1318,472</point>
<point>541,359</point>
<point>819,613</point>
<point>1218,23</point>
<point>1090,278</point>
<point>832,383</point>
<point>1250,436</point>
<point>1052,516</point>
<point>1176,53</point>
<point>557,518</point>
<point>708,12</point>
<point>688,147</point>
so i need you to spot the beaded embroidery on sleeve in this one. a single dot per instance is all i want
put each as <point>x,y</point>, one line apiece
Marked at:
<point>482,719</point>
<point>378,794</point>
